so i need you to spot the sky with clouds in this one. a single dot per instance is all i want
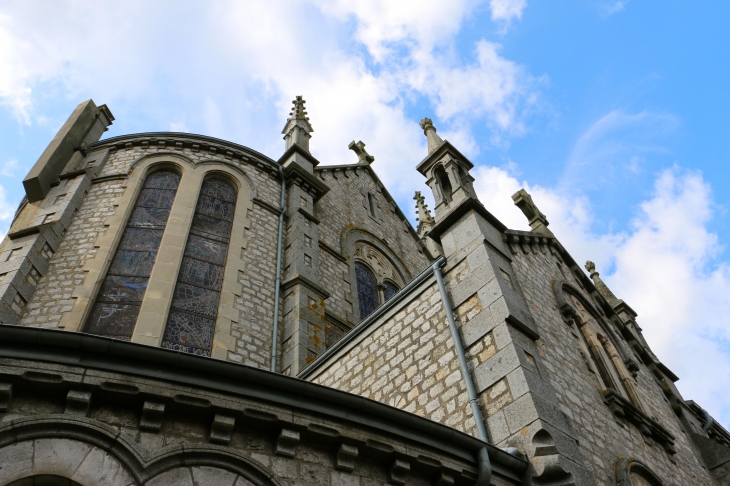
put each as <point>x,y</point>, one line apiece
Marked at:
<point>611,113</point>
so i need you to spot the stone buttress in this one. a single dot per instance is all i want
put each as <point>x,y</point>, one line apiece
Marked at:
<point>489,302</point>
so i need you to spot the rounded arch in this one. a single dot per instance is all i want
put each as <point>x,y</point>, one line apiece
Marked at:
<point>631,472</point>
<point>569,312</point>
<point>44,480</point>
<point>349,242</point>
<point>91,452</point>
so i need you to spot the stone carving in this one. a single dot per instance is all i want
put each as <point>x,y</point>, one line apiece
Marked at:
<point>363,156</point>
<point>425,220</point>
<point>78,402</point>
<point>377,262</point>
<point>286,444</point>
<point>434,141</point>
<point>600,286</point>
<point>346,456</point>
<point>152,414</point>
<point>535,218</point>
<point>221,429</point>
<point>6,395</point>
<point>399,471</point>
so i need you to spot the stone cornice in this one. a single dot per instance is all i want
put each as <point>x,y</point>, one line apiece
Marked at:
<point>455,214</point>
<point>95,352</point>
<point>355,168</point>
<point>309,182</point>
<point>173,140</point>
<point>443,149</point>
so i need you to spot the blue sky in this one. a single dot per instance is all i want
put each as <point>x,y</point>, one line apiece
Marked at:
<point>613,114</point>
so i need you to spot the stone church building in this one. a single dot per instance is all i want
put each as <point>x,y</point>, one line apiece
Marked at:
<point>182,310</point>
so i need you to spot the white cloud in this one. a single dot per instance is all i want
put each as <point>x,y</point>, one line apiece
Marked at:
<point>664,267</point>
<point>10,168</point>
<point>614,7</point>
<point>358,65</point>
<point>506,10</point>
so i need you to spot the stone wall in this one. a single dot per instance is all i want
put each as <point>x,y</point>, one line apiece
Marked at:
<point>344,208</point>
<point>602,438</point>
<point>52,297</point>
<point>102,426</point>
<point>405,359</point>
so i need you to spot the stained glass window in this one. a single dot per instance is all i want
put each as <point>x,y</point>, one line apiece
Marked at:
<point>194,308</point>
<point>389,291</point>
<point>367,290</point>
<point>116,308</point>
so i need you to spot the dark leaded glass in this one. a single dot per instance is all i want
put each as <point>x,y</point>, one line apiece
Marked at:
<point>191,324</point>
<point>389,291</point>
<point>117,305</point>
<point>367,290</point>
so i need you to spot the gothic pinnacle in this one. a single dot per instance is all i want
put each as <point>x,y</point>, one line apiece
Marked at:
<point>425,220</point>
<point>297,129</point>
<point>434,141</point>
<point>601,286</point>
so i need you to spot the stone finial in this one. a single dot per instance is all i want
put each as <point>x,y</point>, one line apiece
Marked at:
<point>364,158</point>
<point>602,288</point>
<point>297,129</point>
<point>425,220</point>
<point>536,219</point>
<point>434,141</point>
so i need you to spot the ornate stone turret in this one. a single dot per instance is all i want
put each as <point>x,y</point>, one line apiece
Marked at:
<point>535,218</point>
<point>600,286</point>
<point>297,129</point>
<point>364,158</point>
<point>447,171</point>
<point>434,141</point>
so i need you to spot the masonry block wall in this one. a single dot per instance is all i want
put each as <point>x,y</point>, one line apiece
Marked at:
<point>345,208</point>
<point>405,359</point>
<point>601,436</point>
<point>91,198</point>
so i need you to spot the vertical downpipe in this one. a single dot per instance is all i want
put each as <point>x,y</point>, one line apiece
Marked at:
<point>485,467</point>
<point>277,291</point>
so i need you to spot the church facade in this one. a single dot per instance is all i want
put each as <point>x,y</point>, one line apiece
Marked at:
<point>179,309</point>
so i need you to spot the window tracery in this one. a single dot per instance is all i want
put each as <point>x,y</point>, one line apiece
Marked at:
<point>118,302</point>
<point>194,308</point>
<point>377,280</point>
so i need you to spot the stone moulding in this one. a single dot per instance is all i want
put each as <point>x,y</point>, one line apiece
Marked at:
<point>289,402</point>
<point>648,427</point>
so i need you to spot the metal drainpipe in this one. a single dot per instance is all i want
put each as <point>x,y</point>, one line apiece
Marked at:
<point>277,292</point>
<point>485,467</point>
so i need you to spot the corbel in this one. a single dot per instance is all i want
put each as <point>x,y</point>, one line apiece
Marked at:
<point>152,415</point>
<point>221,429</point>
<point>399,471</point>
<point>286,444</point>
<point>345,458</point>
<point>6,395</point>
<point>78,402</point>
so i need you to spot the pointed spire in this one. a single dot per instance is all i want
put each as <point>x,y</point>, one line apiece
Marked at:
<point>600,286</point>
<point>434,141</point>
<point>425,220</point>
<point>297,129</point>
<point>364,158</point>
<point>535,218</point>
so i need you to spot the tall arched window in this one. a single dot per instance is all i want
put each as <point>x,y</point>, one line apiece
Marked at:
<point>367,290</point>
<point>117,305</point>
<point>191,322</point>
<point>389,290</point>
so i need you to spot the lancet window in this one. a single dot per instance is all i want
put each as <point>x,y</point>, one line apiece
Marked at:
<point>191,320</point>
<point>606,360</point>
<point>117,305</point>
<point>377,280</point>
